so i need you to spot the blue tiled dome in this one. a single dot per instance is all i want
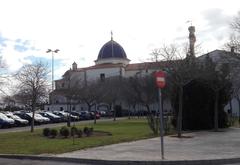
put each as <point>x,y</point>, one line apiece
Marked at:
<point>111,50</point>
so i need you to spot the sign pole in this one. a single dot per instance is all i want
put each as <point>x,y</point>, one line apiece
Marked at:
<point>160,82</point>
<point>161,121</point>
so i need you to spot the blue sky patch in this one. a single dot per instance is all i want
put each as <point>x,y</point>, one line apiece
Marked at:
<point>22,45</point>
<point>2,41</point>
<point>47,61</point>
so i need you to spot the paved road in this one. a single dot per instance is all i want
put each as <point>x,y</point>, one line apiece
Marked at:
<point>4,161</point>
<point>27,128</point>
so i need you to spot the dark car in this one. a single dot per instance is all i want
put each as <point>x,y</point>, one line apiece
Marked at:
<point>85,115</point>
<point>5,121</point>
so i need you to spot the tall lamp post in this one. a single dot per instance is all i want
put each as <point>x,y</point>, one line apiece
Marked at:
<point>52,51</point>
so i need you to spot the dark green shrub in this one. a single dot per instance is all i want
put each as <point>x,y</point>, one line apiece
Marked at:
<point>64,131</point>
<point>87,131</point>
<point>198,107</point>
<point>46,132</point>
<point>79,133</point>
<point>53,133</point>
<point>74,131</point>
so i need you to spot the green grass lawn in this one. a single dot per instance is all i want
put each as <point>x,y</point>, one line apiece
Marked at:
<point>36,143</point>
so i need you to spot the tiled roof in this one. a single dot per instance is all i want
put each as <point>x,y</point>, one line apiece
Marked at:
<point>111,50</point>
<point>145,65</point>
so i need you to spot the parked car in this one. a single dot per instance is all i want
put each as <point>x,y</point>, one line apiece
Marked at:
<point>53,118</point>
<point>28,116</point>
<point>102,113</point>
<point>18,121</point>
<point>73,117</point>
<point>5,121</point>
<point>86,115</point>
<point>40,117</point>
<point>92,113</point>
<point>61,114</point>
<point>78,114</point>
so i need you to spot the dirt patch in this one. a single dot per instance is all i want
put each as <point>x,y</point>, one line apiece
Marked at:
<point>101,133</point>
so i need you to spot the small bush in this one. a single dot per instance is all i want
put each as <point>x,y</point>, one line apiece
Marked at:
<point>53,133</point>
<point>87,131</point>
<point>64,131</point>
<point>74,131</point>
<point>79,133</point>
<point>46,132</point>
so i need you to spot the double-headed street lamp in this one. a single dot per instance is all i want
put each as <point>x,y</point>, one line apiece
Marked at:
<point>52,51</point>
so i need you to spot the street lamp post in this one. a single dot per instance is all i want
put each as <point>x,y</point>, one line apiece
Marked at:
<point>52,51</point>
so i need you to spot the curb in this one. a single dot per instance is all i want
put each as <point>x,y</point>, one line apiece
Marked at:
<point>124,162</point>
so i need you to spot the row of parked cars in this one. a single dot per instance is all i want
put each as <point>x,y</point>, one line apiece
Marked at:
<point>24,118</point>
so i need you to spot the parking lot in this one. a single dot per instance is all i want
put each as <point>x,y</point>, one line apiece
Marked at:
<point>24,118</point>
<point>52,125</point>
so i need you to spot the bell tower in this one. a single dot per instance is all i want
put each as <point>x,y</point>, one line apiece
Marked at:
<point>74,66</point>
<point>192,40</point>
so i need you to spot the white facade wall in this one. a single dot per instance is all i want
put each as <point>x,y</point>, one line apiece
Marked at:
<point>66,107</point>
<point>143,72</point>
<point>94,74</point>
<point>130,73</point>
<point>75,78</point>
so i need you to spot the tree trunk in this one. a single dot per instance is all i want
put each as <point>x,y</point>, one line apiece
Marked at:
<point>230,106</point>
<point>33,116</point>
<point>114,112</point>
<point>230,113</point>
<point>129,112</point>
<point>95,113</point>
<point>238,99</point>
<point>180,109</point>
<point>69,114</point>
<point>216,111</point>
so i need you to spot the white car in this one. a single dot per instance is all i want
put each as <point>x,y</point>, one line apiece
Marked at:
<point>18,121</point>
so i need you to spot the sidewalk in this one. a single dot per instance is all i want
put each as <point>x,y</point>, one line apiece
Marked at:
<point>204,145</point>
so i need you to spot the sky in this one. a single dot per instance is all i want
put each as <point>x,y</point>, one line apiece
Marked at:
<point>79,28</point>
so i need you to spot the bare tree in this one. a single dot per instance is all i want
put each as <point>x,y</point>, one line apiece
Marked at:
<point>32,85</point>
<point>90,95</point>
<point>112,92</point>
<point>180,71</point>
<point>4,76</point>
<point>236,23</point>
<point>234,40</point>
<point>233,44</point>
<point>142,90</point>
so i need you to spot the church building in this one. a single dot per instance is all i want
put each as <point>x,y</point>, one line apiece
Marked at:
<point>111,61</point>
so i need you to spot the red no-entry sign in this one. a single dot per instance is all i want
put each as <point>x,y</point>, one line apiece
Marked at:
<point>160,79</point>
